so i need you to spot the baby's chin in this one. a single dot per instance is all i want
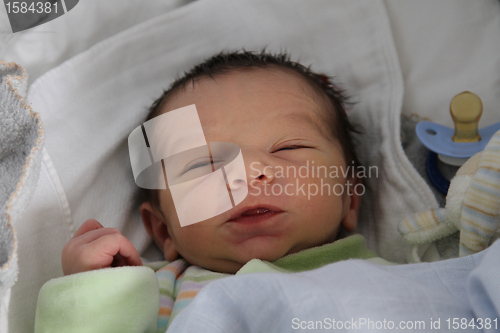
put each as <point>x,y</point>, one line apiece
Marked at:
<point>238,260</point>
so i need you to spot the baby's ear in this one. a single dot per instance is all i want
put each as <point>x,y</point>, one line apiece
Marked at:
<point>352,205</point>
<point>157,229</point>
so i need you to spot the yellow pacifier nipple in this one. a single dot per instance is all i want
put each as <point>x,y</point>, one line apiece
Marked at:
<point>466,109</point>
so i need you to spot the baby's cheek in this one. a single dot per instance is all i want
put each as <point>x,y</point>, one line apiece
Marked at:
<point>325,210</point>
<point>195,241</point>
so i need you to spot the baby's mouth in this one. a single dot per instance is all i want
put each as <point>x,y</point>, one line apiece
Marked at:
<point>255,211</point>
<point>254,214</point>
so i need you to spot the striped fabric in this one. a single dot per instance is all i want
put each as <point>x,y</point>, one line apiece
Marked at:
<point>481,207</point>
<point>179,283</point>
<point>427,226</point>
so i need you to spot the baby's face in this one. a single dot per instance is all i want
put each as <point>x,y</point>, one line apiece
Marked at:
<point>275,120</point>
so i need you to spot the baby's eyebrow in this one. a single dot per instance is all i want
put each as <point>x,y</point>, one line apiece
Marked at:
<point>312,122</point>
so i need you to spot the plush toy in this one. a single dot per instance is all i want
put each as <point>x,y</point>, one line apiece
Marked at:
<point>470,220</point>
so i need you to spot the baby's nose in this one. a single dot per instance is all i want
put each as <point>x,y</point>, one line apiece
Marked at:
<point>258,166</point>
<point>266,176</point>
<point>261,174</point>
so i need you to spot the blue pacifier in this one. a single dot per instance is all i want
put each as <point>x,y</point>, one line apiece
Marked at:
<point>455,146</point>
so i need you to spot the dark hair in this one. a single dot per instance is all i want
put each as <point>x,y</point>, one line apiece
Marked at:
<point>226,62</point>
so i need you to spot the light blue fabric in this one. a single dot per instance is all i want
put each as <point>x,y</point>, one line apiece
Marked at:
<point>349,291</point>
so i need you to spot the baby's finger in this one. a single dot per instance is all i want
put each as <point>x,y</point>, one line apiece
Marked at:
<point>89,225</point>
<point>92,235</point>
<point>117,246</point>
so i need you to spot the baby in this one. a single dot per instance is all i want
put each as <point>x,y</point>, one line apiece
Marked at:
<point>292,128</point>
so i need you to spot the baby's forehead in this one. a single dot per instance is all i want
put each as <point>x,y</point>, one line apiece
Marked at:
<point>276,79</point>
<point>285,95</point>
<point>311,120</point>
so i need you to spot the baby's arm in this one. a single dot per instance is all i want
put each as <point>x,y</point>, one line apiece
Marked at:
<point>94,247</point>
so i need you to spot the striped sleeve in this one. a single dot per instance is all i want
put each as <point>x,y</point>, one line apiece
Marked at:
<point>179,283</point>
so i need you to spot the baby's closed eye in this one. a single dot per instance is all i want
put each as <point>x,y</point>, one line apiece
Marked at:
<point>291,147</point>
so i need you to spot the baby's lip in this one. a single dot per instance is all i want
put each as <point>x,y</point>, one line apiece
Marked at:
<point>254,210</point>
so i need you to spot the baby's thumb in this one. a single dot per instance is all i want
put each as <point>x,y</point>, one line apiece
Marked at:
<point>89,225</point>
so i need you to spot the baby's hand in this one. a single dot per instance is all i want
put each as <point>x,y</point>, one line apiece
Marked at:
<point>94,247</point>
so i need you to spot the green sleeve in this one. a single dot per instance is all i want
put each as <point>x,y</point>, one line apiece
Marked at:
<point>122,299</point>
